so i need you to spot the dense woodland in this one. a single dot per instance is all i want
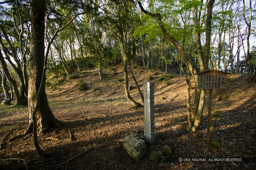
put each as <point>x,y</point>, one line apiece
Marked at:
<point>47,43</point>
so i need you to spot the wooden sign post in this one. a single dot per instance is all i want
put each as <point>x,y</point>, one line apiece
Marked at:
<point>210,80</point>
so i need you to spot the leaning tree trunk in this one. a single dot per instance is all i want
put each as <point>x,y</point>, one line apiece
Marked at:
<point>200,108</point>
<point>44,117</point>
<point>136,83</point>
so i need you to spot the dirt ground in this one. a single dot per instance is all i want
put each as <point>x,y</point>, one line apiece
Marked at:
<point>100,117</point>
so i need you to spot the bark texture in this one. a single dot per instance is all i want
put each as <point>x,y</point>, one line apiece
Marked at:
<point>44,117</point>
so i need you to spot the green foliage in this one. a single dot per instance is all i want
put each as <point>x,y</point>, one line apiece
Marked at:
<point>54,79</point>
<point>165,60</point>
<point>165,82</point>
<point>82,86</point>
<point>151,29</point>
<point>162,77</point>
<point>187,5</point>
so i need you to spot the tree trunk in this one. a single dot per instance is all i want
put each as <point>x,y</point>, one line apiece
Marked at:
<point>71,55</point>
<point>11,80</point>
<point>224,53</point>
<point>59,50</point>
<point>189,117</point>
<point>126,80</point>
<point>208,33</point>
<point>231,46</point>
<point>44,117</point>
<point>137,85</point>
<point>100,69</point>
<point>148,58</point>
<point>200,107</point>
<point>52,58</point>
<point>142,47</point>
<point>75,57</point>
<point>238,59</point>
<point>248,25</point>
<point>23,98</point>
<point>209,116</point>
<point>198,38</point>
<point>25,75</point>
<point>7,99</point>
<point>219,50</point>
<point>213,61</point>
<point>17,67</point>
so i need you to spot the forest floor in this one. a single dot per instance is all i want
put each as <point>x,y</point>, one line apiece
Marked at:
<point>100,117</point>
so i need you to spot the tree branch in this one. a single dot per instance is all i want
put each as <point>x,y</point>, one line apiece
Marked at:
<point>245,20</point>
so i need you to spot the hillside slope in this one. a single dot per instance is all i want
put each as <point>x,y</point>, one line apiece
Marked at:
<point>100,117</point>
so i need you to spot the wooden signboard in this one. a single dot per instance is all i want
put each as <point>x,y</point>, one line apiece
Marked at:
<point>212,79</point>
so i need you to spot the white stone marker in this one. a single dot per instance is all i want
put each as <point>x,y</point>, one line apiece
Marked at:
<point>149,112</point>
